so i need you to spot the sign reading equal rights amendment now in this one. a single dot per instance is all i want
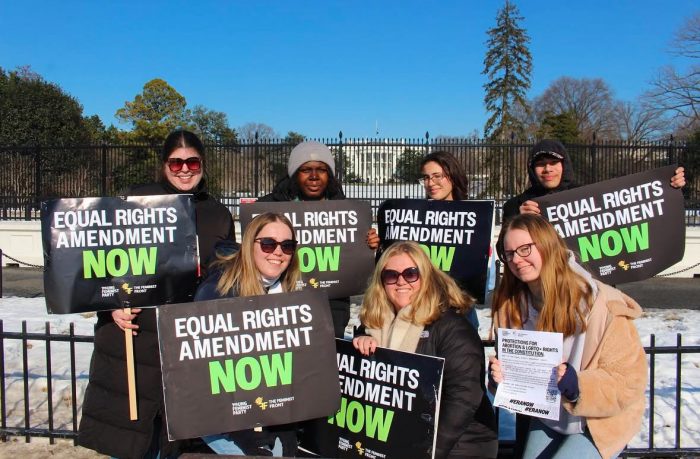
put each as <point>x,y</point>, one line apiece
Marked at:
<point>109,253</point>
<point>333,254</point>
<point>237,363</point>
<point>456,235</point>
<point>389,406</point>
<point>625,229</point>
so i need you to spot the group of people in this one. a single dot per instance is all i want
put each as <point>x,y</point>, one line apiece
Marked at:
<point>409,305</point>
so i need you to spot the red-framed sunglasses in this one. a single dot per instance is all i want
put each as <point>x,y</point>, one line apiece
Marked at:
<point>194,163</point>
<point>268,245</point>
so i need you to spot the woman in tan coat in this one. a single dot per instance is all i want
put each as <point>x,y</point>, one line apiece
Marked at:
<point>604,372</point>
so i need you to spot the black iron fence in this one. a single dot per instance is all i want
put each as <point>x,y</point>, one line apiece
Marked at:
<point>368,169</point>
<point>41,399</point>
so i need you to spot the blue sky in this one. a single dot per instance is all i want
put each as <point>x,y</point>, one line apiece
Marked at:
<point>318,67</point>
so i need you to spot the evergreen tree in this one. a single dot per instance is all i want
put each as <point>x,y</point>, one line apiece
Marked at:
<point>408,166</point>
<point>562,127</point>
<point>508,65</point>
<point>34,111</point>
<point>156,112</point>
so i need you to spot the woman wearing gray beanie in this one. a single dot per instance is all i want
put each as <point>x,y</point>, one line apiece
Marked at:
<point>311,177</point>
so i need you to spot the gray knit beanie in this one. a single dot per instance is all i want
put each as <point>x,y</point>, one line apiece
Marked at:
<point>309,151</point>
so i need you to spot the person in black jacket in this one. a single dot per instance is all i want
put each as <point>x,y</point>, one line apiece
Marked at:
<point>412,306</point>
<point>311,177</point>
<point>550,171</point>
<point>105,425</point>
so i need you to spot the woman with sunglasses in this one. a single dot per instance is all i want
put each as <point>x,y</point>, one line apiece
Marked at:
<point>603,375</point>
<point>265,264</point>
<point>182,172</point>
<point>412,306</point>
<point>105,425</point>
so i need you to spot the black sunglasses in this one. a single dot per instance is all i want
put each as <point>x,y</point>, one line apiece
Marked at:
<point>390,276</point>
<point>193,163</point>
<point>268,245</point>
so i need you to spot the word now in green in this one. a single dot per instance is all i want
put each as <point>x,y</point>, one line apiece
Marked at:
<point>375,421</point>
<point>247,373</point>
<point>118,262</point>
<point>326,258</point>
<point>612,242</point>
<point>440,256</point>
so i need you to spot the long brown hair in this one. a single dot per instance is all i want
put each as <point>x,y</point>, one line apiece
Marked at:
<point>437,291</point>
<point>239,271</point>
<point>563,289</point>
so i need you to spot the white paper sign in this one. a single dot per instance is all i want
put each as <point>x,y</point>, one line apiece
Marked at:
<point>529,361</point>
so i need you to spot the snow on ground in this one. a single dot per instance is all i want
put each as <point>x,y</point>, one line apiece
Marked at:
<point>665,324</point>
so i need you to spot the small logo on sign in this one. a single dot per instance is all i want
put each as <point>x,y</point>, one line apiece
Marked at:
<point>261,403</point>
<point>313,282</point>
<point>127,289</point>
<point>360,449</point>
<point>623,265</point>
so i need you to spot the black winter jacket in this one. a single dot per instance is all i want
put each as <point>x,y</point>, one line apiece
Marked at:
<point>284,190</point>
<point>467,424</point>
<point>105,426</point>
<point>512,206</point>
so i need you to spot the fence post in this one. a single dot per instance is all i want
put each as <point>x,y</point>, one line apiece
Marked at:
<point>256,175</point>
<point>37,184</point>
<point>103,160</point>
<point>671,151</point>
<point>427,140</point>
<point>340,171</point>
<point>511,182</point>
<point>594,161</point>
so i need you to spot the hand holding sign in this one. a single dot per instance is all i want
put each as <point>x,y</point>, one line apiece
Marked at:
<point>624,230</point>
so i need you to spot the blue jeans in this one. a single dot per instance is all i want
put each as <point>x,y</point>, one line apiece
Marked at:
<point>223,444</point>
<point>473,318</point>
<point>543,442</point>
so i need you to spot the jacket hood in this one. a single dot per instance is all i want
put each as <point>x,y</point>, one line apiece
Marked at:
<point>619,303</point>
<point>555,149</point>
<point>283,191</point>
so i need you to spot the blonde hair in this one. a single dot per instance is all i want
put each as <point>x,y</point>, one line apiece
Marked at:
<point>239,270</point>
<point>437,291</point>
<point>563,289</point>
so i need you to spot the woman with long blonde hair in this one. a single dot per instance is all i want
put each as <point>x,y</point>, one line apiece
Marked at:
<point>603,374</point>
<point>266,263</point>
<point>412,306</point>
<point>255,268</point>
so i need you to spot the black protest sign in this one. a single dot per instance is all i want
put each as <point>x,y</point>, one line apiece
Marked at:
<point>109,253</point>
<point>388,407</point>
<point>236,363</point>
<point>456,235</point>
<point>625,229</point>
<point>332,251</point>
